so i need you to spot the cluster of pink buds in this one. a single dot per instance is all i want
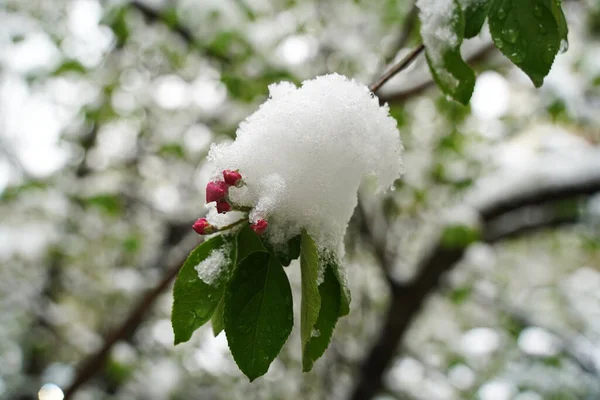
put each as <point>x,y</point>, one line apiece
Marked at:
<point>218,191</point>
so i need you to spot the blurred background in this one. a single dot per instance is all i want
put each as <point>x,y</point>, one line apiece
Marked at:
<point>478,277</point>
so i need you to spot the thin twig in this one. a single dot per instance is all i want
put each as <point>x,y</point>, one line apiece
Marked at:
<point>400,66</point>
<point>412,92</point>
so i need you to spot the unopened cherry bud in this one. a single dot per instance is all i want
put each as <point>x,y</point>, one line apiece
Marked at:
<point>223,206</point>
<point>233,178</point>
<point>216,190</point>
<point>259,226</point>
<point>203,227</point>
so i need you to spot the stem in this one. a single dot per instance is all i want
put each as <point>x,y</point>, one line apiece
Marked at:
<point>238,222</point>
<point>400,66</point>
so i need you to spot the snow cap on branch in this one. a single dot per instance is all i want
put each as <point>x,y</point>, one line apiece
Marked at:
<point>303,154</point>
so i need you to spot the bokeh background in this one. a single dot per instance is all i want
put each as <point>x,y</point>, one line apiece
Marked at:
<point>107,111</point>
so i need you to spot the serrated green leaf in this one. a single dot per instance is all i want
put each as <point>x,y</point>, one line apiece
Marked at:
<point>311,299</point>
<point>194,301</point>
<point>217,318</point>
<point>475,13</point>
<point>561,21</point>
<point>329,313</point>
<point>258,314</point>
<point>527,32</point>
<point>451,74</point>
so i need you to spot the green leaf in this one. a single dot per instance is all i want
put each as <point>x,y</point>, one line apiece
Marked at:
<point>248,242</point>
<point>345,297</point>
<point>194,301</point>
<point>329,313</point>
<point>561,21</point>
<point>475,13</point>
<point>217,318</point>
<point>287,252</point>
<point>311,299</point>
<point>452,75</point>
<point>528,33</point>
<point>258,315</point>
<point>457,236</point>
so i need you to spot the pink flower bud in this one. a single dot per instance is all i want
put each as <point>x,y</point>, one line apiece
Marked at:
<point>223,206</point>
<point>259,226</point>
<point>203,227</point>
<point>216,190</point>
<point>233,178</point>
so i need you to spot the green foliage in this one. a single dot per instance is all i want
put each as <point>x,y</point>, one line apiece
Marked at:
<point>109,203</point>
<point>460,295</point>
<point>258,315</point>
<point>217,318</point>
<point>253,304</point>
<point>248,242</point>
<point>330,295</point>
<point>459,236</point>
<point>529,33</point>
<point>475,14</point>
<point>285,254</point>
<point>70,66</point>
<point>117,22</point>
<point>311,299</point>
<point>194,301</point>
<point>452,75</point>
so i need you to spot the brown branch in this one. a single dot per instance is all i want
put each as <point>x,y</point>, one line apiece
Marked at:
<point>407,299</point>
<point>95,362</point>
<point>413,91</point>
<point>398,67</point>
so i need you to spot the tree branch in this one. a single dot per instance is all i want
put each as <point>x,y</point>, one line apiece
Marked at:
<point>89,367</point>
<point>398,67</point>
<point>413,91</point>
<point>407,299</point>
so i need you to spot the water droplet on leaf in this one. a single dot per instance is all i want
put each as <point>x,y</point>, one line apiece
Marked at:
<point>510,35</point>
<point>517,57</point>
<point>501,13</point>
<point>542,29</point>
<point>498,42</point>
<point>564,45</point>
<point>537,11</point>
<point>549,54</point>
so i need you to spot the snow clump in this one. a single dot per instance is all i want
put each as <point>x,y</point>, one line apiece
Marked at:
<point>303,155</point>
<point>212,267</point>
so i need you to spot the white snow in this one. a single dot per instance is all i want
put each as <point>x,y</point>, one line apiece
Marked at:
<point>437,18</point>
<point>436,26</point>
<point>211,268</point>
<point>304,153</point>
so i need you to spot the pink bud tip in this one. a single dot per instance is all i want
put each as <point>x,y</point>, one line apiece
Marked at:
<point>233,178</point>
<point>203,227</point>
<point>223,206</point>
<point>259,226</point>
<point>216,191</point>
